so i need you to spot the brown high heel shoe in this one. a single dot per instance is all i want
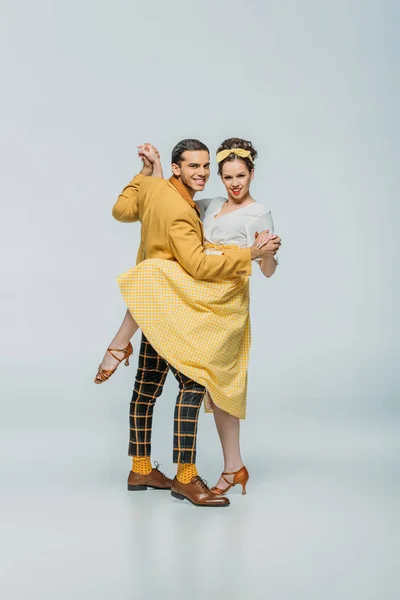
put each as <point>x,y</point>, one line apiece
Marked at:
<point>240,477</point>
<point>104,374</point>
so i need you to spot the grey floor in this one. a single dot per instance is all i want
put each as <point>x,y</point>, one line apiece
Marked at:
<point>320,519</point>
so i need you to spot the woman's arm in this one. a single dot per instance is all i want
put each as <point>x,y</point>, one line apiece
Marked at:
<point>262,229</point>
<point>271,243</point>
<point>268,266</point>
<point>157,169</point>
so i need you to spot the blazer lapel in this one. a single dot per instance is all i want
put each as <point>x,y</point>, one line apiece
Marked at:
<point>179,187</point>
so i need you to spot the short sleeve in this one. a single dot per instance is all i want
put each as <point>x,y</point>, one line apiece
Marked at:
<point>258,224</point>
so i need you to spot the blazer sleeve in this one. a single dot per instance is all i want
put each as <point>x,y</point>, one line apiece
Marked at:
<point>126,208</point>
<point>188,250</point>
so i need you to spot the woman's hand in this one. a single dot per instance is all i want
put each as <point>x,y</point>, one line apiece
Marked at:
<point>149,152</point>
<point>264,237</point>
<point>151,159</point>
<point>270,243</point>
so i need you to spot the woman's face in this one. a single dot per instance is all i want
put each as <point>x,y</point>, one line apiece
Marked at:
<point>236,177</point>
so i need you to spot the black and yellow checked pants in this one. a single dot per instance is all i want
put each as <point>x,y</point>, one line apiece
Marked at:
<point>149,383</point>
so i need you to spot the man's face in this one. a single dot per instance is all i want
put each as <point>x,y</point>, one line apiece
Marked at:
<point>194,169</point>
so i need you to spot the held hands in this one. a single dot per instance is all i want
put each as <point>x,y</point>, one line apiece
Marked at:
<point>266,245</point>
<point>151,160</point>
<point>148,153</point>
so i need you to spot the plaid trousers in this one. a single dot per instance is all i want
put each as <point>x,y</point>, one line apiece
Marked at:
<point>149,383</point>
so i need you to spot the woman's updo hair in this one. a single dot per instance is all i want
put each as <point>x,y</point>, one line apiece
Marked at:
<point>232,143</point>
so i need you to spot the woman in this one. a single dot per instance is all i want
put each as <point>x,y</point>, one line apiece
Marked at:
<point>191,311</point>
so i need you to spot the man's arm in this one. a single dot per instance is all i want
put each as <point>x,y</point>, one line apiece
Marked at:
<point>186,247</point>
<point>126,207</point>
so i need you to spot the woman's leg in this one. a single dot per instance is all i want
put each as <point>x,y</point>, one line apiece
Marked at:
<point>120,341</point>
<point>228,428</point>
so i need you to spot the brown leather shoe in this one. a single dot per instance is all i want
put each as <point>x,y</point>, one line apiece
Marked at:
<point>197,492</point>
<point>155,480</point>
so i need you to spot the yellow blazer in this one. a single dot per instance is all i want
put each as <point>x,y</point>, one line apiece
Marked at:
<point>171,229</point>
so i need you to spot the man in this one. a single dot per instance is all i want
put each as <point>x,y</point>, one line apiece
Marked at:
<point>171,229</point>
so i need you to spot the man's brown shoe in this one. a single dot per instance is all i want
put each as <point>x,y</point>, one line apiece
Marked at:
<point>197,492</point>
<point>155,480</point>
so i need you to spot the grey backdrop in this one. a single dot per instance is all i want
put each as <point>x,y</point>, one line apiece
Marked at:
<point>314,85</point>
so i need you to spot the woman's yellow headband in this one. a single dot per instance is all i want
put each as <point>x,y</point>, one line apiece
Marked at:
<point>238,151</point>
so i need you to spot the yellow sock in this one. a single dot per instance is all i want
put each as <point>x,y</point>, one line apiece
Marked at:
<point>142,466</point>
<point>186,472</point>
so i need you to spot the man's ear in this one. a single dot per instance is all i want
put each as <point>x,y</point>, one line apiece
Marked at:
<point>175,169</point>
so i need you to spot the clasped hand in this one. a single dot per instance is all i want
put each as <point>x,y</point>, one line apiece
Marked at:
<point>268,242</point>
<point>149,155</point>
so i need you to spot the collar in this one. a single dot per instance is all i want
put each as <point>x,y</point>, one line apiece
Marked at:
<point>184,192</point>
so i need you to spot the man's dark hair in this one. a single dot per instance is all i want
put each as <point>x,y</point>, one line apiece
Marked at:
<point>181,147</point>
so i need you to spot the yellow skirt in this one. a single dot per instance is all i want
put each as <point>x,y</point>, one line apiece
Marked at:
<point>202,328</point>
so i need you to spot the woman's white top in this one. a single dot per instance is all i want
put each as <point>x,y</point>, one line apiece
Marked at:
<point>236,227</point>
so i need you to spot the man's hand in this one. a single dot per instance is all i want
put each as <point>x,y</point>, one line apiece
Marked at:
<point>147,168</point>
<point>151,160</point>
<point>268,249</point>
<point>264,237</point>
<point>149,152</point>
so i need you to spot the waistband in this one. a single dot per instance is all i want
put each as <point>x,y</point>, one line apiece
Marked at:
<point>210,246</point>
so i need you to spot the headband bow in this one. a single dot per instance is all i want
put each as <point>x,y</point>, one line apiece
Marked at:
<point>238,151</point>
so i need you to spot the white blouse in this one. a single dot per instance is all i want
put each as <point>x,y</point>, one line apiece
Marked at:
<point>237,227</point>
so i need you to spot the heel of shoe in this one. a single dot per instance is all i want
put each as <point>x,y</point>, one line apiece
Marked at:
<point>241,478</point>
<point>136,488</point>
<point>177,496</point>
<point>104,374</point>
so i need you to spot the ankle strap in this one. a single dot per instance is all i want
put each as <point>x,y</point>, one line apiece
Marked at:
<point>124,350</point>
<point>233,472</point>
<point>226,480</point>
